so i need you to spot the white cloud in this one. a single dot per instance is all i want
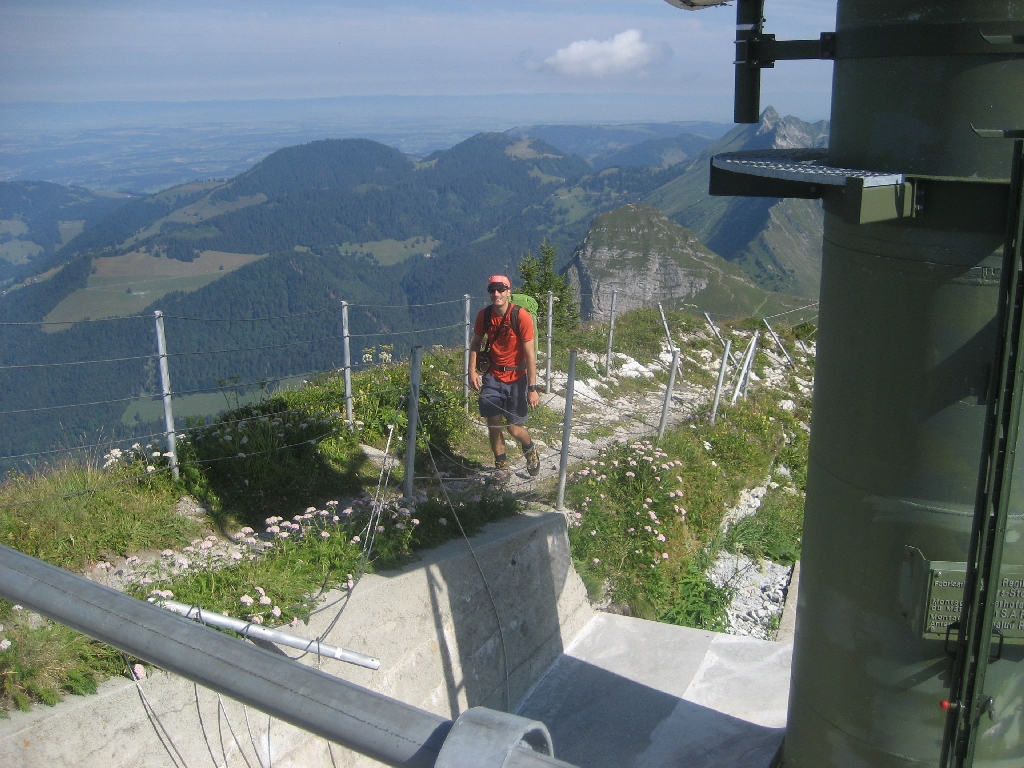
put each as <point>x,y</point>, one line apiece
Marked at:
<point>625,52</point>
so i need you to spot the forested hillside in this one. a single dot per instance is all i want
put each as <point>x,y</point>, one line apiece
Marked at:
<point>37,219</point>
<point>304,229</point>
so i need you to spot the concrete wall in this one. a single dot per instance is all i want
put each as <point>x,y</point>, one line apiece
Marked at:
<point>432,625</point>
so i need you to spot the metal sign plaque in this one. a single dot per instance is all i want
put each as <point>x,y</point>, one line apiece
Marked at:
<point>932,594</point>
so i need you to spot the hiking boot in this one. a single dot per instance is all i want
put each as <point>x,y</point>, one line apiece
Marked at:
<point>502,465</point>
<point>532,460</point>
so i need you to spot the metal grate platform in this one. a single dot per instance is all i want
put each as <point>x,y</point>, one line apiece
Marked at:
<point>806,166</point>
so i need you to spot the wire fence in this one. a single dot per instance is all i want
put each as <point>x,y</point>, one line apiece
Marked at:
<point>590,417</point>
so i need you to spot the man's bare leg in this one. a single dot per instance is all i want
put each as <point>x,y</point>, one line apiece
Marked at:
<point>497,435</point>
<point>520,433</point>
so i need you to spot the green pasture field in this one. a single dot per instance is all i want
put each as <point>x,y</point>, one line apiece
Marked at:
<point>389,252</point>
<point>19,251</point>
<point>151,409</point>
<point>127,284</point>
<point>69,230</point>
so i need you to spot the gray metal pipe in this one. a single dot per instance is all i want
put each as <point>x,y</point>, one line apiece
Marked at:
<point>717,333</point>
<point>721,381</point>
<point>249,630</point>
<point>668,334</point>
<point>347,347</point>
<point>165,383</point>
<point>375,725</point>
<point>743,369</point>
<point>779,342</point>
<point>547,362</point>
<point>465,353</point>
<point>668,393</point>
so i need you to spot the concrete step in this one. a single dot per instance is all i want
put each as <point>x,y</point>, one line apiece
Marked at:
<point>629,692</point>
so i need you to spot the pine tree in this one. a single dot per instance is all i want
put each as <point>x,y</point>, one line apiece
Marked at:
<point>539,276</point>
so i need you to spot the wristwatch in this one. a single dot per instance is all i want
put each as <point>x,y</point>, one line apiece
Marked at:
<point>533,388</point>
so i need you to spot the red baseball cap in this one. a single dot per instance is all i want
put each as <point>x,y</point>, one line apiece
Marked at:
<point>499,279</point>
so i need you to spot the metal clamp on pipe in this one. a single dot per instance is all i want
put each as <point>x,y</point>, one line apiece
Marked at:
<point>484,737</point>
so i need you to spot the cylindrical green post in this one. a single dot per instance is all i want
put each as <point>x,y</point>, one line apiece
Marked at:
<point>905,345</point>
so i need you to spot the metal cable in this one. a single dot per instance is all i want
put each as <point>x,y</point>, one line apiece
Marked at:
<point>789,311</point>
<point>249,319</point>
<point>86,320</point>
<point>483,577</point>
<point>79,362</point>
<point>162,733</point>
<point>83,447</point>
<point>76,405</point>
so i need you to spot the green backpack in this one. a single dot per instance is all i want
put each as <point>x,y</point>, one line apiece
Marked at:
<point>530,305</point>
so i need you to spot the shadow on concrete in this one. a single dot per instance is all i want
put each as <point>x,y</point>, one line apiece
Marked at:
<point>599,719</point>
<point>503,612</point>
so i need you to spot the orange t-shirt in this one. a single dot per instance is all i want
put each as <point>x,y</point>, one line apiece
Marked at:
<point>508,345</point>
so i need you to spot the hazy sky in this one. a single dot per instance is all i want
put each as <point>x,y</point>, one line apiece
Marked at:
<point>186,50</point>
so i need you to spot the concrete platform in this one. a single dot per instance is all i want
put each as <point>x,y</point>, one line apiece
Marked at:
<point>629,692</point>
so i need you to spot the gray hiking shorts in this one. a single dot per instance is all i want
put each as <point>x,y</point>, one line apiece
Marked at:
<point>500,399</point>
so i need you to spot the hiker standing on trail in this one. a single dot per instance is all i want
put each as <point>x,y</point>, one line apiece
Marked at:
<point>509,386</point>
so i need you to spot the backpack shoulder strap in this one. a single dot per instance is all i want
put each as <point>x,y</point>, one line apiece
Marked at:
<point>517,326</point>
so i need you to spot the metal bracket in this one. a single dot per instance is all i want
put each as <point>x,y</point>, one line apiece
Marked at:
<point>485,738</point>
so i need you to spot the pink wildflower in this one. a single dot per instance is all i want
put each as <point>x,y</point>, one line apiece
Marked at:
<point>325,535</point>
<point>276,611</point>
<point>245,600</point>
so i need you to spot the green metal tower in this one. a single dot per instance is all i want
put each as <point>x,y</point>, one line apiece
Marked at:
<point>913,498</point>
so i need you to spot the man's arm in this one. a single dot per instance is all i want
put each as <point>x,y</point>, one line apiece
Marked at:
<point>474,377</point>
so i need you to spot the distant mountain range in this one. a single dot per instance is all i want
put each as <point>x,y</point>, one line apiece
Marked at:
<point>349,219</point>
<point>593,141</point>
<point>776,242</point>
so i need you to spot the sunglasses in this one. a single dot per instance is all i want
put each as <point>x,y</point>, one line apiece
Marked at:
<point>500,289</point>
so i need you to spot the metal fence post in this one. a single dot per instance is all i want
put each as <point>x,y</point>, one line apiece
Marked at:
<point>750,365</point>
<point>563,463</point>
<point>547,363</point>
<point>465,356</point>
<point>747,354</point>
<point>668,393</point>
<point>414,411</point>
<point>165,383</point>
<point>611,333</point>
<point>721,381</point>
<point>664,322</point>
<point>719,335</point>
<point>779,342</point>
<point>741,372</point>
<point>348,365</point>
